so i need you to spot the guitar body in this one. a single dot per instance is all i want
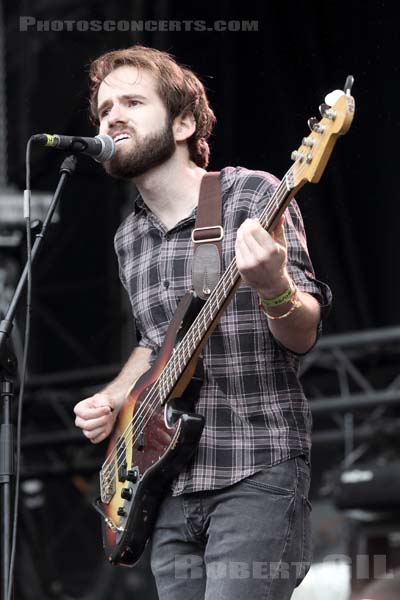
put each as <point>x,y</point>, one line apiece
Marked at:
<point>143,460</point>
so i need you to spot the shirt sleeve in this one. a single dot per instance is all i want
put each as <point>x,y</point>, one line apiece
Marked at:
<point>299,263</point>
<point>300,268</point>
<point>119,244</point>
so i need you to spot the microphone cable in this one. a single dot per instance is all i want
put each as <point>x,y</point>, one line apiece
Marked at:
<point>27,217</point>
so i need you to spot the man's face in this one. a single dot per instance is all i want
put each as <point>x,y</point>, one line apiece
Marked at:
<point>131,111</point>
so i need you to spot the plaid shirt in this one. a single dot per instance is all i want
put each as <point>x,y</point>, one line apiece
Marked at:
<point>256,413</point>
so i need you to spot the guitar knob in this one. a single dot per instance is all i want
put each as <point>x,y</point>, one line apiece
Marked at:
<point>126,493</point>
<point>132,475</point>
<point>121,512</point>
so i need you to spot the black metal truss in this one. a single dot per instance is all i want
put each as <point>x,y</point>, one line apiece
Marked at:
<point>51,443</point>
<point>352,381</point>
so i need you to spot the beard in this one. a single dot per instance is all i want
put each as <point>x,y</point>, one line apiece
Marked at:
<point>148,152</point>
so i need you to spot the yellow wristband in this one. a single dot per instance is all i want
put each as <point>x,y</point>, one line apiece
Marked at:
<point>295,302</point>
<point>281,299</point>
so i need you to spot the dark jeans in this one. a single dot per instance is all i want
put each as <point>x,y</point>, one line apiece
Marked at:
<point>248,541</point>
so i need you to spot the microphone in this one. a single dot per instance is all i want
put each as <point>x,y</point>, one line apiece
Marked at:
<point>101,147</point>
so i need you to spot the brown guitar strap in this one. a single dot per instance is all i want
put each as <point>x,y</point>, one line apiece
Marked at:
<point>207,236</point>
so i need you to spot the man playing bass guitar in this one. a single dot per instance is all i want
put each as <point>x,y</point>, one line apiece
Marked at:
<point>235,522</point>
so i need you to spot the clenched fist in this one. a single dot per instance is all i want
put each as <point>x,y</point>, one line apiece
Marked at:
<point>96,416</point>
<point>262,258</point>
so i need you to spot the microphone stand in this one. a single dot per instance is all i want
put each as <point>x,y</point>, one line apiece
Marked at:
<point>8,369</point>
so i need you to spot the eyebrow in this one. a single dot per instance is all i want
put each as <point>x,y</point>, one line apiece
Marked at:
<point>107,103</point>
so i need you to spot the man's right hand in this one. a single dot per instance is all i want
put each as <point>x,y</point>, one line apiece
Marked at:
<point>96,416</point>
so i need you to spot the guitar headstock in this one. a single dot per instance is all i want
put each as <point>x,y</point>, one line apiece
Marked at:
<point>313,154</point>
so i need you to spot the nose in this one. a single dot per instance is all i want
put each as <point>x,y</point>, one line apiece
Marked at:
<point>116,115</point>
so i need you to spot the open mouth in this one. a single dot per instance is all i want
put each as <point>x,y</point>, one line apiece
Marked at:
<point>121,138</point>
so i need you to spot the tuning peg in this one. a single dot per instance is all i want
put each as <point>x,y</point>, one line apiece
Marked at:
<point>326,111</point>
<point>323,108</point>
<point>315,125</point>
<point>296,155</point>
<point>312,122</point>
<point>308,141</point>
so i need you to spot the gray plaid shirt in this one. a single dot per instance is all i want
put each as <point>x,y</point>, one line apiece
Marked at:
<point>256,413</point>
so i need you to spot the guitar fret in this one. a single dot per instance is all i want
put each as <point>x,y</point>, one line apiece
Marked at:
<point>161,388</point>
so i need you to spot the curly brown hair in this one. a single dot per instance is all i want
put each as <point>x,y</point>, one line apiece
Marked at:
<point>178,87</point>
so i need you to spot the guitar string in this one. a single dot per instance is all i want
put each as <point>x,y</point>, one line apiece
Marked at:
<point>143,415</point>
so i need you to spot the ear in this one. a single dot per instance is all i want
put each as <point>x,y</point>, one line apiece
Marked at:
<point>184,126</point>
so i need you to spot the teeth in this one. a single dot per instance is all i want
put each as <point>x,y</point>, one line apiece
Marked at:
<point>122,136</point>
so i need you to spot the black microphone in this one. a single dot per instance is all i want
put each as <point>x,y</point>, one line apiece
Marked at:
<point>101,147</point>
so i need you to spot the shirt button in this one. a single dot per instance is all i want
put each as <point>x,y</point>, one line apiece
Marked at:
<point>166,284</point>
